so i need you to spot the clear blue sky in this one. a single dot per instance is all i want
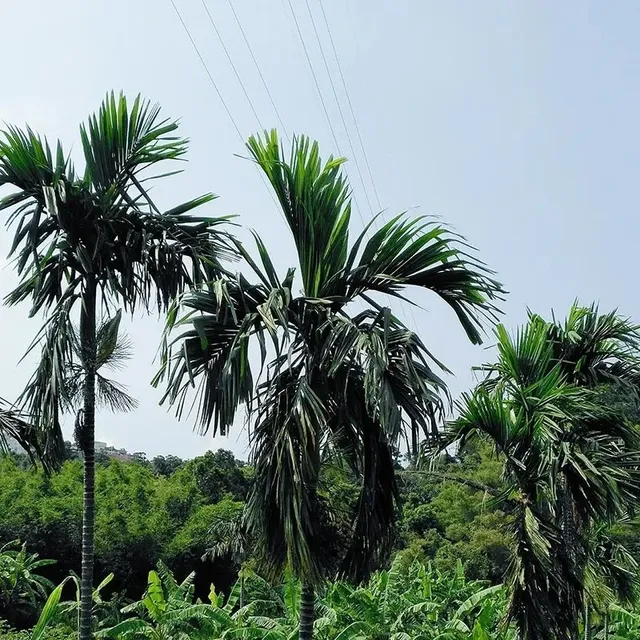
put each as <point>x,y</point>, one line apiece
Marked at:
<point>515,122</point>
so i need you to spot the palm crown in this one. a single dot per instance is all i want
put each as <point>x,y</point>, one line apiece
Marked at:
<point>331,381</point>
<point>572,461</point>
<point>101,231</point>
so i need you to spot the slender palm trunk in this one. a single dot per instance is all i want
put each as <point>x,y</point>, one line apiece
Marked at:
<point>571,543</point>
<point>587,622</point>
<point>87,435</point>
<point>307,612</point>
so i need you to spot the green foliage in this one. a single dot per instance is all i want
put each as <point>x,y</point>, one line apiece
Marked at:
<point>141,517</point>
<point>52,632</point>
<point>166,465</point>
<point>415,602</point>
<point>330,378</point>
<point>451,512</point>
<point>572,462</point>
<point>22,588</point>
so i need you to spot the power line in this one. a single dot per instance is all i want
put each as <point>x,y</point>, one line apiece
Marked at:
<point>255,62</point>
<point>313,73</point>
<point>338,103</point>
<point>324,106</point>
<point>233,66</point>
<point>222,100</point>
<point>353,114</point>
<point>357,128</point>
<point>206,68</point>
<point>335,95</point>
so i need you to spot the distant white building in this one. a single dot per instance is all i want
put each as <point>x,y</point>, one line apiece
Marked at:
<point>100,446</point>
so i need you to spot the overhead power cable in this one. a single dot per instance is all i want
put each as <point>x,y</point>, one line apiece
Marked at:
<point>222,100</point>
<point>255,62</point>
<point>313,74</point>
<point>353,114</point>
<point>319,90</point>
<point>230,59</point>
<point>357,128</point>
<point>335,95</point>
<point>206,69</point>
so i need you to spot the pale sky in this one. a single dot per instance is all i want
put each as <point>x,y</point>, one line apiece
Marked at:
<point>516,122</point>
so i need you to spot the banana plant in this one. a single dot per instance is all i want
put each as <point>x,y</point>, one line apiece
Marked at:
<point>21,585</point>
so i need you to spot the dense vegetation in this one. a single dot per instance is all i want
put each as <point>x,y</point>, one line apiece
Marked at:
<point>147,514</point>
<point>410,600</point>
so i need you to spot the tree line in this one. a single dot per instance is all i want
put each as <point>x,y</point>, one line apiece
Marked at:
<point>147,514</point>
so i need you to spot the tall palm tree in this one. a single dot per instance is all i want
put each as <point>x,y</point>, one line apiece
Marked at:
<point>348,378</point>
<point>573,462</point>
<point>86,243</point>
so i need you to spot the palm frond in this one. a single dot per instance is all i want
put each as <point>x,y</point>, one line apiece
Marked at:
<point>283,510</point>
<point>423,253</point>
<point>119,143</point>
<point>223,317</point>
<point>15,426</point>
<point>314,197</point>
<point>48,392</point>
<point>113,396</point>
<point>27,162</point>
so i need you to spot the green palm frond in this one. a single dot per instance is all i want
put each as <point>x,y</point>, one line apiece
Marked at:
<point>56,386</point>
<point>120,142</point>
<point>571,458</point>
<point>283,510</point>
<point>423,253</point>
<point>327,379</point>
<point>221,320</point>
<point>27,162</point>
<point>105,224</point>
<point>315,201</point>
<point>14,424</point>
<point>405,252</point>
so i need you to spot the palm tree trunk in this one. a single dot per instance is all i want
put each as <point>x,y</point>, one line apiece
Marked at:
<point>307,612</point>
<point>87,435</point>
<point>587,622</point>
<point>568,522</point>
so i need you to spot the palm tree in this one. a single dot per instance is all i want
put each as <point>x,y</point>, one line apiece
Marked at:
<point>60,342</point>
<point>572,461</point>
<point>331,377</point>
<point>86,243</point>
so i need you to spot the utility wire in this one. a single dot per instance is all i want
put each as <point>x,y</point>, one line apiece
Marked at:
<point>324,106</point>
<point>313,73</point>
<point>355,201</point>
<point>255,62</point>
<point>353,114</point>
<point>335,95</point>
<point>206,68</point>
<point>233,66</point>
<point>222,100</point>
<point>357,128</point>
